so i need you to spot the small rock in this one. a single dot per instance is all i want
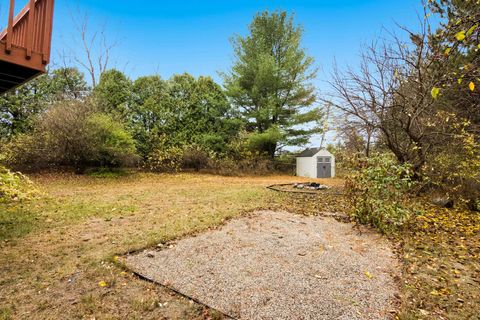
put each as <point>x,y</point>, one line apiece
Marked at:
<point>443,202</point>
<point>150,255</point>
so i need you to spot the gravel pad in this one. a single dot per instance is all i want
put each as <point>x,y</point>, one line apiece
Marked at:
<point>276,265</point>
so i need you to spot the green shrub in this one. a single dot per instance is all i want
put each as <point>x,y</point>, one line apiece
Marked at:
<point>71,134</point>
<point>377,188</point>
<point>15,186</point>
<point>455,171</point>
<point>285,162</point>
<point>25,152</point>
<point>113,145</point>
<point>230,166</point>
<point>242,158</point>
<point>264,140</point>
<point>164,159</point>
<point>195,157</point>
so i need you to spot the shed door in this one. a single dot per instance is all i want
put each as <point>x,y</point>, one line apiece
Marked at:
<point>324,167</point>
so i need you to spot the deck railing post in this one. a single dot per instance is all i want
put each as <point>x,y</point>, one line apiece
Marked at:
<point>8,45</point>
<point>48,31</point>
<point>30,25</point>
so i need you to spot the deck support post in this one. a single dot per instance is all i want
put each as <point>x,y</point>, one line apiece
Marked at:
<point>30,31</point>
<point>47,40</point>
<point>8,47</point>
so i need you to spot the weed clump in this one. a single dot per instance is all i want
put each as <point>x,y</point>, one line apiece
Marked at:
<point>15,186</point>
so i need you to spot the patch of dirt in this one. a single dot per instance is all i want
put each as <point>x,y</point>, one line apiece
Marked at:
<point>277,265</point>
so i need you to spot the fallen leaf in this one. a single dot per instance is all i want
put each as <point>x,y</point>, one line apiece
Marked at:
<point>434,292</point>
<point>471,86</point>
<point>435,92</point>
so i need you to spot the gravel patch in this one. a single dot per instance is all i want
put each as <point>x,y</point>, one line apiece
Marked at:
<point>277,265</point>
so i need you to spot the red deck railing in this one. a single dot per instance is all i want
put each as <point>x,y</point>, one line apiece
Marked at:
<point>31,32</point>
<point>25,44</point>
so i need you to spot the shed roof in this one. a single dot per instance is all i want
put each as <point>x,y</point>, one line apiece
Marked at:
<point>309,152</point>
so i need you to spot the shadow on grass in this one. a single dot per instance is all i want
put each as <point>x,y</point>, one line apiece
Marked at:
<point>107,173</point>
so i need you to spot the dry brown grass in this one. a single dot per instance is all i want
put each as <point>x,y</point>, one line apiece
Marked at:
<point>56,251</point>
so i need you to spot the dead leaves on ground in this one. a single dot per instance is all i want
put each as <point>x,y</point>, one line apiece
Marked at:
<point>441,254</point>
<point>440,250</point>
<point>325,201</point>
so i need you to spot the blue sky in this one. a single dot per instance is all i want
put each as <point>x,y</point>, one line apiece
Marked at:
<point>193,36</point>
<point>169,37</point>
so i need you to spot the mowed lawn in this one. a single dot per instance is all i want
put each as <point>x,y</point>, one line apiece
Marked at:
<point>59,252</point>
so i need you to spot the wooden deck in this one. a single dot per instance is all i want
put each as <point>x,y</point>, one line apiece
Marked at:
<point>26,43</point>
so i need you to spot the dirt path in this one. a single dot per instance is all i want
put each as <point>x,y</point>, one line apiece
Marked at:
<point>276,265</point>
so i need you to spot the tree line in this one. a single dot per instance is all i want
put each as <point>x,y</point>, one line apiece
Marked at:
<point>415,101</point>
<point>160,124</point>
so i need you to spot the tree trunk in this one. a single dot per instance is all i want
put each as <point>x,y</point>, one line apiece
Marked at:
<point>271,148</point>
<point>367,149</point>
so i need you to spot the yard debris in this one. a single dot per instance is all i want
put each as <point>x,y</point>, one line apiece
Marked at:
<point>310,186</point>
<point>444,202</point>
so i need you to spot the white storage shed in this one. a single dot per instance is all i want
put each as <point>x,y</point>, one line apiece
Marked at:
<point>315,163</point>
